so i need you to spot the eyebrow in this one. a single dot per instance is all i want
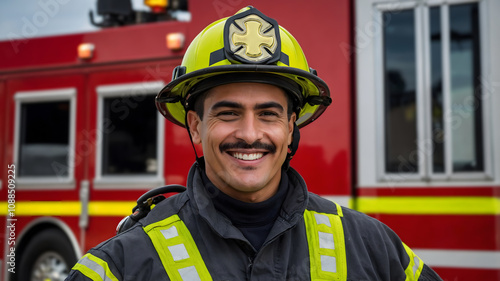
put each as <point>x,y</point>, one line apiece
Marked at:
<point>223,103</point>
<point>270,104</point>
<point>259,106</point>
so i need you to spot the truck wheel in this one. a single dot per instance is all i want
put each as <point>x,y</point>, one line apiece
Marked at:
<point>48,256</point>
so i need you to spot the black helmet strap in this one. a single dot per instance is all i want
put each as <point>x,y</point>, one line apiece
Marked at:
<point>199,160</point>
<point>293,147</point>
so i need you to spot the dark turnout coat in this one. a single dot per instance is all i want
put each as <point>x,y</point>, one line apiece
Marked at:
<point>312,239</point>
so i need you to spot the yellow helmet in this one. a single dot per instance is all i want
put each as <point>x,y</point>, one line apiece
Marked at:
<point>246,47</point>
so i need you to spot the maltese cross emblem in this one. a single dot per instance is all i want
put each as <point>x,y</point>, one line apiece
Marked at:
<point>252,37</point>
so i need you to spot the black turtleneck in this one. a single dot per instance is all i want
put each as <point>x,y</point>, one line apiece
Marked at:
<point>254,220</point>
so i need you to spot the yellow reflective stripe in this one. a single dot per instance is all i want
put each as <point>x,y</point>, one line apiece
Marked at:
<point>415,266</point>
<point>94,268</point>
<point>111,208</point>
<point>69,208</point>
<point>339,210</point>
<point>429,205</point>
<point>325,239</point>
<point>177,250</point>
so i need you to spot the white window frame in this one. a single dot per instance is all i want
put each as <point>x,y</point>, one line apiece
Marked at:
<point>56,182</point>
<point>128,181</point>
<point>370,96</point>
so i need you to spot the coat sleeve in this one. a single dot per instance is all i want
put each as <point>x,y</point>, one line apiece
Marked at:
<point>429,275</point>
<point>76,275</point>
<point>376,252</point>
<point>416,269</point>
<point>124,257</point>
<point>93,267</point>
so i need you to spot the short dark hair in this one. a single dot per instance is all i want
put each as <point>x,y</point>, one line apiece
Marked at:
<point>199,104</point>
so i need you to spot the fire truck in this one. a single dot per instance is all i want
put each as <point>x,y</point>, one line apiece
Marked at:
<point>412,137</point>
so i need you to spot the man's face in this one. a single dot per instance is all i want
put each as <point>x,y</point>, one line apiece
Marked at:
<point>245,133</point>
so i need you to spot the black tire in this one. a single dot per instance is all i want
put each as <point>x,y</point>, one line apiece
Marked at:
<point>50,248</point>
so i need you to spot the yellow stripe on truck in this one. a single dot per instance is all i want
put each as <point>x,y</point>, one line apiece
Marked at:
<point>372,205</point>
<point>111,208</point>
<point>69,208</point>
<point>429,205</point>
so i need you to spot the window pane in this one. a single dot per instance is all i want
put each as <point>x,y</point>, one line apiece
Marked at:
<point>465,101</point>
<point>44,139</point>
<point>436,91</point>
<point>129,143</point>
<point>400,89</point>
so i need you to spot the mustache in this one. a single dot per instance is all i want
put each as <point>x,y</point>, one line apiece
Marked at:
<point>243,145</point>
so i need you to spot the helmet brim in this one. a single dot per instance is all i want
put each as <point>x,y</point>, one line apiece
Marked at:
<point>170,101</point>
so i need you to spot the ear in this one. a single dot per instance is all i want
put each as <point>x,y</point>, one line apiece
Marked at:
<point>291,123</point>
<point>194,123</point>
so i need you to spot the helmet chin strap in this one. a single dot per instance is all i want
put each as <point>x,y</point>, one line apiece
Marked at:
<point>293,147</point>
<point>199,160</point>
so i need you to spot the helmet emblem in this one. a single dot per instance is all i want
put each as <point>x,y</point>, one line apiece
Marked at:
<point>252,37</point>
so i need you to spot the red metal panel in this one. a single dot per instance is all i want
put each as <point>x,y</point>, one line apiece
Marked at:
<point>453,232</point>
<point>133,43</point>
<point>431,191</point>
<point>469,274</point>
<point>100,229</point>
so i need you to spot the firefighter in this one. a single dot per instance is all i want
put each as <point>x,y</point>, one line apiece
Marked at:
<point>243,91</point>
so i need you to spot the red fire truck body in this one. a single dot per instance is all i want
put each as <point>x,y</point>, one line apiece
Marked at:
<point>451,224</point>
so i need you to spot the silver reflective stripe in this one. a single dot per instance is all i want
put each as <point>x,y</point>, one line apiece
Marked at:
<point>170,232</point>
<point>189,273</point>
<point>326,243</point>
<point>178,252</point>
<point>322,219</point>
<point>417,264</point>
<point>326,240</point>
<point>97,268</point>
<point>328,264</point>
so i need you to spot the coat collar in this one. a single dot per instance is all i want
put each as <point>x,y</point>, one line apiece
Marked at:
<point>291,212</point>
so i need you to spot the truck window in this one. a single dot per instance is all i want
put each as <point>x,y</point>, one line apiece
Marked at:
<point>130,145</point>
<point>400,91</point>
<point>130,136</point>
<point>432,109</point>
<point>44,137</point>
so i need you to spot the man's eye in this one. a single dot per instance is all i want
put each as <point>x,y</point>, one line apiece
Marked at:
<point>269,114</point>
<point>226,113</point>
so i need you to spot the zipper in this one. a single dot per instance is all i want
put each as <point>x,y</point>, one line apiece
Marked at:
<point>249,268</point>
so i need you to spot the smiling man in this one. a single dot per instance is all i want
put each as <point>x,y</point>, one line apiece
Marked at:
<point>243,91</point>
<point>245,132</point>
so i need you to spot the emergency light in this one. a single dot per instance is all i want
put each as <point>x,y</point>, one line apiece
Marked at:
<point>86,51</point>
<point>175,41</point>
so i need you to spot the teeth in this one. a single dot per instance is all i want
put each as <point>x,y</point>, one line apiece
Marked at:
<point>248,157</point>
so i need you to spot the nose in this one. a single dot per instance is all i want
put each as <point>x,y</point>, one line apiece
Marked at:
<point>249,129</point>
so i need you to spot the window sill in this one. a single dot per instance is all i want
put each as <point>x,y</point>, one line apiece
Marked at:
<point>128,182</point>
<point>43,183</point>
